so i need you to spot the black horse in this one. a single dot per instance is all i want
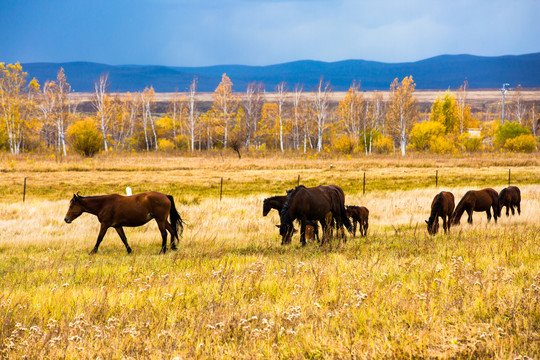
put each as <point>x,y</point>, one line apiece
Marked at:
<point>441,206</point>
<point>277,202</point>
<point>510,197</point>
<point>320,203</point>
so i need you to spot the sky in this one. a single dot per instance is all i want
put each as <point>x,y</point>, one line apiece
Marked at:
<point>262,32</point>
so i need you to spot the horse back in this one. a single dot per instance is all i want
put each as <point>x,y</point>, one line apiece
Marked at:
<point>138,209</point>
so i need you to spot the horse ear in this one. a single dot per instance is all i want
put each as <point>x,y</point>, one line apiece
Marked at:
<point>277,226</point>
<point>426,222</point>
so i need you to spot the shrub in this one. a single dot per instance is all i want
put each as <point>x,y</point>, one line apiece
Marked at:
<point>521,143</point>
<point>470,143</point>
<point>165,145</point>
<point>422,134</point>
<point>383,145</point>
<point>182,142</point>
<point>84,137</point>
<point>344,144</point>
<point>507,131</point>
<point>441,144</point>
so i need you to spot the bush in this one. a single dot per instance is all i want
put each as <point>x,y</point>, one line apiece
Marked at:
<point>508,131</point>
<point>521,143</point>
<point>344,144</point>
<point>84,137</point>
<point>441,144</point>
<point>165,145</point>
<point>423,133</point>
<point>182,142</point>
<point>470,143</point>
<point>383,145</point>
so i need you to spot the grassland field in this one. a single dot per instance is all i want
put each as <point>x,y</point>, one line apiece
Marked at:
<point>232,291</point>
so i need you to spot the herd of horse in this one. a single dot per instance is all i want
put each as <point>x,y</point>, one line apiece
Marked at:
<point>322,205</point>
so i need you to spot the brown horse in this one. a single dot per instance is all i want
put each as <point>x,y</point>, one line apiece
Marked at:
<point>510,197</point>
<point>359,216</point>
<point>315,204</point>
<point>118,211</point>
<point>277,202</point>
<point>442,206</point>
<point>477,200</point>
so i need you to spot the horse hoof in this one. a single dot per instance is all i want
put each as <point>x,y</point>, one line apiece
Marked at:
<point>129,250</point>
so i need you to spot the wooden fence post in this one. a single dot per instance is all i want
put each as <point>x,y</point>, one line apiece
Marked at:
<point>221,190</point>
<point>24,191</point>
<point>364,186</point>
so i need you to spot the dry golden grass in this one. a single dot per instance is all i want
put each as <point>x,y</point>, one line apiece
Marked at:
<point>232,291</point>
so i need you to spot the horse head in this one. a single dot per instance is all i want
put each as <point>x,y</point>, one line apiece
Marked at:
<point>75,208</point>
<point>432,226</point>
<point>266,207</point>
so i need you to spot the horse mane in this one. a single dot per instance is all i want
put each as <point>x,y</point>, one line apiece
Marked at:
<point>435,209</point>
<point>460,208</point>
<point>284,214</point>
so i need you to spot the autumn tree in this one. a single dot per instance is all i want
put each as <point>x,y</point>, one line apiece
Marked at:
<point>268,126</point>
<point>16,102</point>
<point>297,105</point>
<point>518,105</point>
<point>376,116</point>
<point>463,108</point>
<point>321,109</point>
<point>102,104</point>
<point>192,113</point>
<point>224,105</point>
<point>401,111</point>
<point>147,97</point>
<point>281,91</point>
<point>350,112</point>
<point>445,111</point>
<point>252,103</point>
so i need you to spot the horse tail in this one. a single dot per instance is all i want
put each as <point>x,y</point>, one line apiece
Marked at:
<point>176,220</point>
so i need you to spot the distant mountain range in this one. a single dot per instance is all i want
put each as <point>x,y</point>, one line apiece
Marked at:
<point>440,72</point>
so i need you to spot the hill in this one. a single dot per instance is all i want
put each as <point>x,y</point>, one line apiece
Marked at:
<point>440,72</point>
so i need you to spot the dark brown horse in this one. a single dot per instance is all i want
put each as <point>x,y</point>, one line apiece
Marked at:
<point>477,200</point>
<point>510,197</point>
<point>442,206</point>
<point>359,216</point>
<point>315,204</point>
<point>277,202</point>
<point>118,211</point>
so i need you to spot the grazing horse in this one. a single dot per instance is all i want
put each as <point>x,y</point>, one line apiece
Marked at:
<point>277,202</point>
<point>118,211</point>
<point>441,206</point>
<point>477,200</point>
<point>359,216</point>
<point>510,197</point>
<point>316,203</point>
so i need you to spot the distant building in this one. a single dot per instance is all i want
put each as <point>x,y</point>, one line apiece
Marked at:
<point>474,132</point>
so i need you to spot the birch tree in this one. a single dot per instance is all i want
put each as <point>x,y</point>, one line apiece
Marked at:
<point>192,116</point>
<point>252,104</point>
<point>281,91</point>
<point>402,110</point>
<point>224,105</point>
<point>61,92</point>
<point>12,102</point>
<point>296,114</point>
<point>519,107</point>
<point>102,105</point>
<point>461,102</point>
<point>320,107</point>
<point>147,97</point>
<point>350,112</point>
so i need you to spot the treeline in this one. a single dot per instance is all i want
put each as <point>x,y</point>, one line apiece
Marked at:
<point>39,118</point>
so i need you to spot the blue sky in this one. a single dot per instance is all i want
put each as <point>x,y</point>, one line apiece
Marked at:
<point>262,32</point>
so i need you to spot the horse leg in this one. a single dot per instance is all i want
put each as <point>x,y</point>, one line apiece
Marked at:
<point>507,210</point>
<point>444,224</point>
<point>512,208</point>
<point>163,231</point>
<point>102,231</point>
<point>354,224</point>
<point>303,232</point>
<point>488,213</point>
<point>519,208</point>
<point>174,235</point>
<point>469,213</point>
<point>122,235</point>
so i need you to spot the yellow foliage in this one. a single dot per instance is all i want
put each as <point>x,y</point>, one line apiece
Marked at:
<point>521,143</point>
<point>441,144</point>
<point>165,145</point>
<point>383,145</point>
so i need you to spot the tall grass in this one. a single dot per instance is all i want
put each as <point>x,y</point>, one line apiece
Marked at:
<point>232,291</point>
